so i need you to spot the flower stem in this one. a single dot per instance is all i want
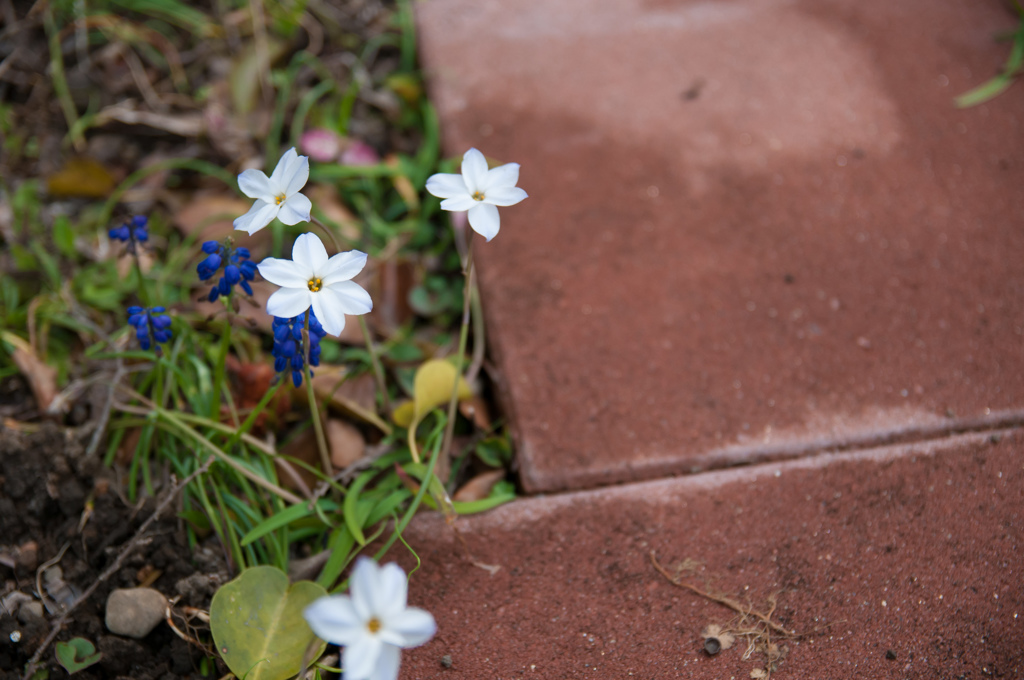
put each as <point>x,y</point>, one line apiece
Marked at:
<point>449,431</point>
<point>378,370</point>
<point>327,230</point>
<point>140,281</point>
<point>314,410</point>
<point>220,368</point>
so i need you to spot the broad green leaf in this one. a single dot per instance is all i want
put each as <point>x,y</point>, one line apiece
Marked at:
<point>76,654</point>
<point>257,623</point>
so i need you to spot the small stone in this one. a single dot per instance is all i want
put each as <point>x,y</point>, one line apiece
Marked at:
<point>28,556</point>
<point>890,655</point>
<point>30,611</point>
<point>446,660</point>
<point>134,612</point>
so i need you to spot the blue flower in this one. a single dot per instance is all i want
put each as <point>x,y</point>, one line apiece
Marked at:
<point>238,269</point>
<point>289,353</point>
<point>133,232</point>
<point>150,325</point>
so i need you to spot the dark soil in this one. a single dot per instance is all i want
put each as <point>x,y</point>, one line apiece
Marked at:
<point>46,486</point>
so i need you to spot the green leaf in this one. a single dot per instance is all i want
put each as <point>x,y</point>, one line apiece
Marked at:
<point>286,516</point>
<point>494,451</point>
<point>257,623</point>
<point>352,519</point>
<point>76,654</point>
<point>64,236</point>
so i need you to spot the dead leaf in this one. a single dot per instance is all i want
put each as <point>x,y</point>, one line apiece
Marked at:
<point>759,673</point>
<point>479,487</point>
<point>345,442</point>
<point>209,217</point>
<point>475,410</point>
<point>301,447</point>
<point>130,442</point>
<point>354,397</point>
<point>393,281</point>
<point>81,177</point>
<point>42,378</point>
<point>250,382</point>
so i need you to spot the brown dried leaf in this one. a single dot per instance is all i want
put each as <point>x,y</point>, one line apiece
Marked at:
<point>81,176</point>
<point>758,673</point>
<point>346,443</point>
<point>479,487</point>
<point>475,409</point>
<point>41,377</point>
<point>209,217</point>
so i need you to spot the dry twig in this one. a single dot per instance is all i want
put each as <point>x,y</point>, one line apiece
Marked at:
<point>126,550</point>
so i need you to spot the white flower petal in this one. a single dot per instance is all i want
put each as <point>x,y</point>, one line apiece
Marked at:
<point>260,215</point>
<point>342,267</point>
<point>391,593</point>
<point>284,170</point>
<point>444,185</point>
<point>330,314</point>
<point>501,196</point>
<point>309,251</point>
<point>360,658</point>
<point>457,203</point>
<point>295,209</point>
<point>502,176</point>
<point>255,184</point>
<point>409,628</point>
<point>474,170</point>
<point>298,177</point>
<point>387,664</point>
<point>335,620</point>
<point>289,302</point>
<point>350,298</point>
<point>363,580</point>
<point>284,272</point>
<point>483,217</point>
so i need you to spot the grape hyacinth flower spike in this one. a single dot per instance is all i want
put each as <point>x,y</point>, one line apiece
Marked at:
<point>289,353</point>
<point>151,325</point>
<point>132,232</point>
<point>312,280</point>
<point>238,268</point>
<point>373,622</point>
<point>276,196</point>
<point>479,191</point>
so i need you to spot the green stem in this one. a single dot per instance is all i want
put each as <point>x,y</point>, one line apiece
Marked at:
<point>219,370</point>
<point>327,230</point>
<point>140,281</point>
<point>404,522</point>
<point>378,370</point>
<point>449,431</point>
<point>314,411</point>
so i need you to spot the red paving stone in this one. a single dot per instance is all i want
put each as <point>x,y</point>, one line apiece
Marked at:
<point>913,550</point>
<point>754,227</point>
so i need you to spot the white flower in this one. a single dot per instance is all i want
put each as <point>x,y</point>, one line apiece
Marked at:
<point>276,196</point>
<point>373,623</point>
<point>311,279</point>
<point>478,190</point>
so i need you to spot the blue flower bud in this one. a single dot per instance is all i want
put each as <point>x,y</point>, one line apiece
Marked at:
<point>141,234</point>
<point>224,287</point>
<point>140,221</point>
<point>211,247</point>
<point>280,363</point>
<point>161,321</point>
<point>281,332</point>
<point>242,253</point>
<point>232,274</point>
<point>297,378</point>
<point>246,287</point>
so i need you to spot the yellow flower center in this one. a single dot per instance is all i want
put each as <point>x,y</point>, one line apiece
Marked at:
<point>315,284</point>
<point>279,199</point>
<point>478,196</point>
<point>373,625</point>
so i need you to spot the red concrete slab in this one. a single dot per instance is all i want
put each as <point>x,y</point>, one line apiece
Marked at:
<point>754,227</point>
<point>899,563</point>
